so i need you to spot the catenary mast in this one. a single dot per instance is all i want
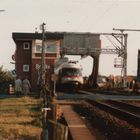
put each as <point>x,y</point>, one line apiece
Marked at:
<point>124,46</point>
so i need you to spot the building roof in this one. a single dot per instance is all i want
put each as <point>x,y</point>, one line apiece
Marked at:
<point>31,36</point>
<point>49,35</point>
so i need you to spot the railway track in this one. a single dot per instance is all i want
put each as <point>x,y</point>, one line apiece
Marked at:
<point>134,109</point>
<point>119,112</point>
<point>121,109</point>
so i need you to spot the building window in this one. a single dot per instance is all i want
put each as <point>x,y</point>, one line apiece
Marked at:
<point>26,45</point>
<point>38,48</point>
<point>50,47</point>
<point>25,68</point>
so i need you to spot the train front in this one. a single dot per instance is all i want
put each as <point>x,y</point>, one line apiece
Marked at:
<point>71,76</point>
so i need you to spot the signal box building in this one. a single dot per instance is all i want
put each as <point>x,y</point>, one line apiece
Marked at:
<point>28,52</point>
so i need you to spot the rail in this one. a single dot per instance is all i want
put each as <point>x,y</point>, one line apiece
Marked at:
<point>130,117</point>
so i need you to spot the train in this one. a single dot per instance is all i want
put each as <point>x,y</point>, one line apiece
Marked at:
<point>69,76</point>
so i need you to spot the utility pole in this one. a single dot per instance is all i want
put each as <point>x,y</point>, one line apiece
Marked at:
<point>43,63</point>
<point>49,108</point>
<point>44,92</point>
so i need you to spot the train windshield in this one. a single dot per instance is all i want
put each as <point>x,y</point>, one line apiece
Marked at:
<point>71,72</point>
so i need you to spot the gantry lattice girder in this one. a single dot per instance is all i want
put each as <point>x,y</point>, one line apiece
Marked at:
<point>90,51</point>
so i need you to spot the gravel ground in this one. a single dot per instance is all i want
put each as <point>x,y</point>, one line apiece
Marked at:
<point>109,126</point>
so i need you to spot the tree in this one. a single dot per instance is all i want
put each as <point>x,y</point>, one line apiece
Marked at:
<point>6,78</point>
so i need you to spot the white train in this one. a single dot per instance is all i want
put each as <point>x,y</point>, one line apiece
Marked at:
<point>69,76</point>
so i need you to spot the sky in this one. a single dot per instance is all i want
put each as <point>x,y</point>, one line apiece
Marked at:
<point>95,16</point>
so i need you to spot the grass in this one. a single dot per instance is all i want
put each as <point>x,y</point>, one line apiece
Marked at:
<point>20,118</point>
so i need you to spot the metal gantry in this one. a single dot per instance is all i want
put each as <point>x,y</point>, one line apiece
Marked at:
<point>121,50</point>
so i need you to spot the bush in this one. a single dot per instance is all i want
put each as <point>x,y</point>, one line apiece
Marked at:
<point>6,78</point>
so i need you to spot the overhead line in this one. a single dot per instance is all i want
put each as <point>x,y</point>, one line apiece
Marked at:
<point>126,29</point>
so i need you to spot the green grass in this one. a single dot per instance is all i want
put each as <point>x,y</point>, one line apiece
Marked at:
<point>20,118</point>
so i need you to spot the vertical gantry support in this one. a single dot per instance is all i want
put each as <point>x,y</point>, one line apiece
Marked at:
<point>93,77</point>
<point>123,54</point>
<point>125,62</point>
<point>124,57</point>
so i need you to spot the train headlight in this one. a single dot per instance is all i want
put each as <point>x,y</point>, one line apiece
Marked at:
<point>76,83</point>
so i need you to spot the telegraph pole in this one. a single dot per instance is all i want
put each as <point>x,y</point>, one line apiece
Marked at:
<point>43,80</point>
<point>48,104</point>
<point>45,108</point>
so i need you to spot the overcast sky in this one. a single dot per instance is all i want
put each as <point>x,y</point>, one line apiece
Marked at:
<point>96,16</point>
